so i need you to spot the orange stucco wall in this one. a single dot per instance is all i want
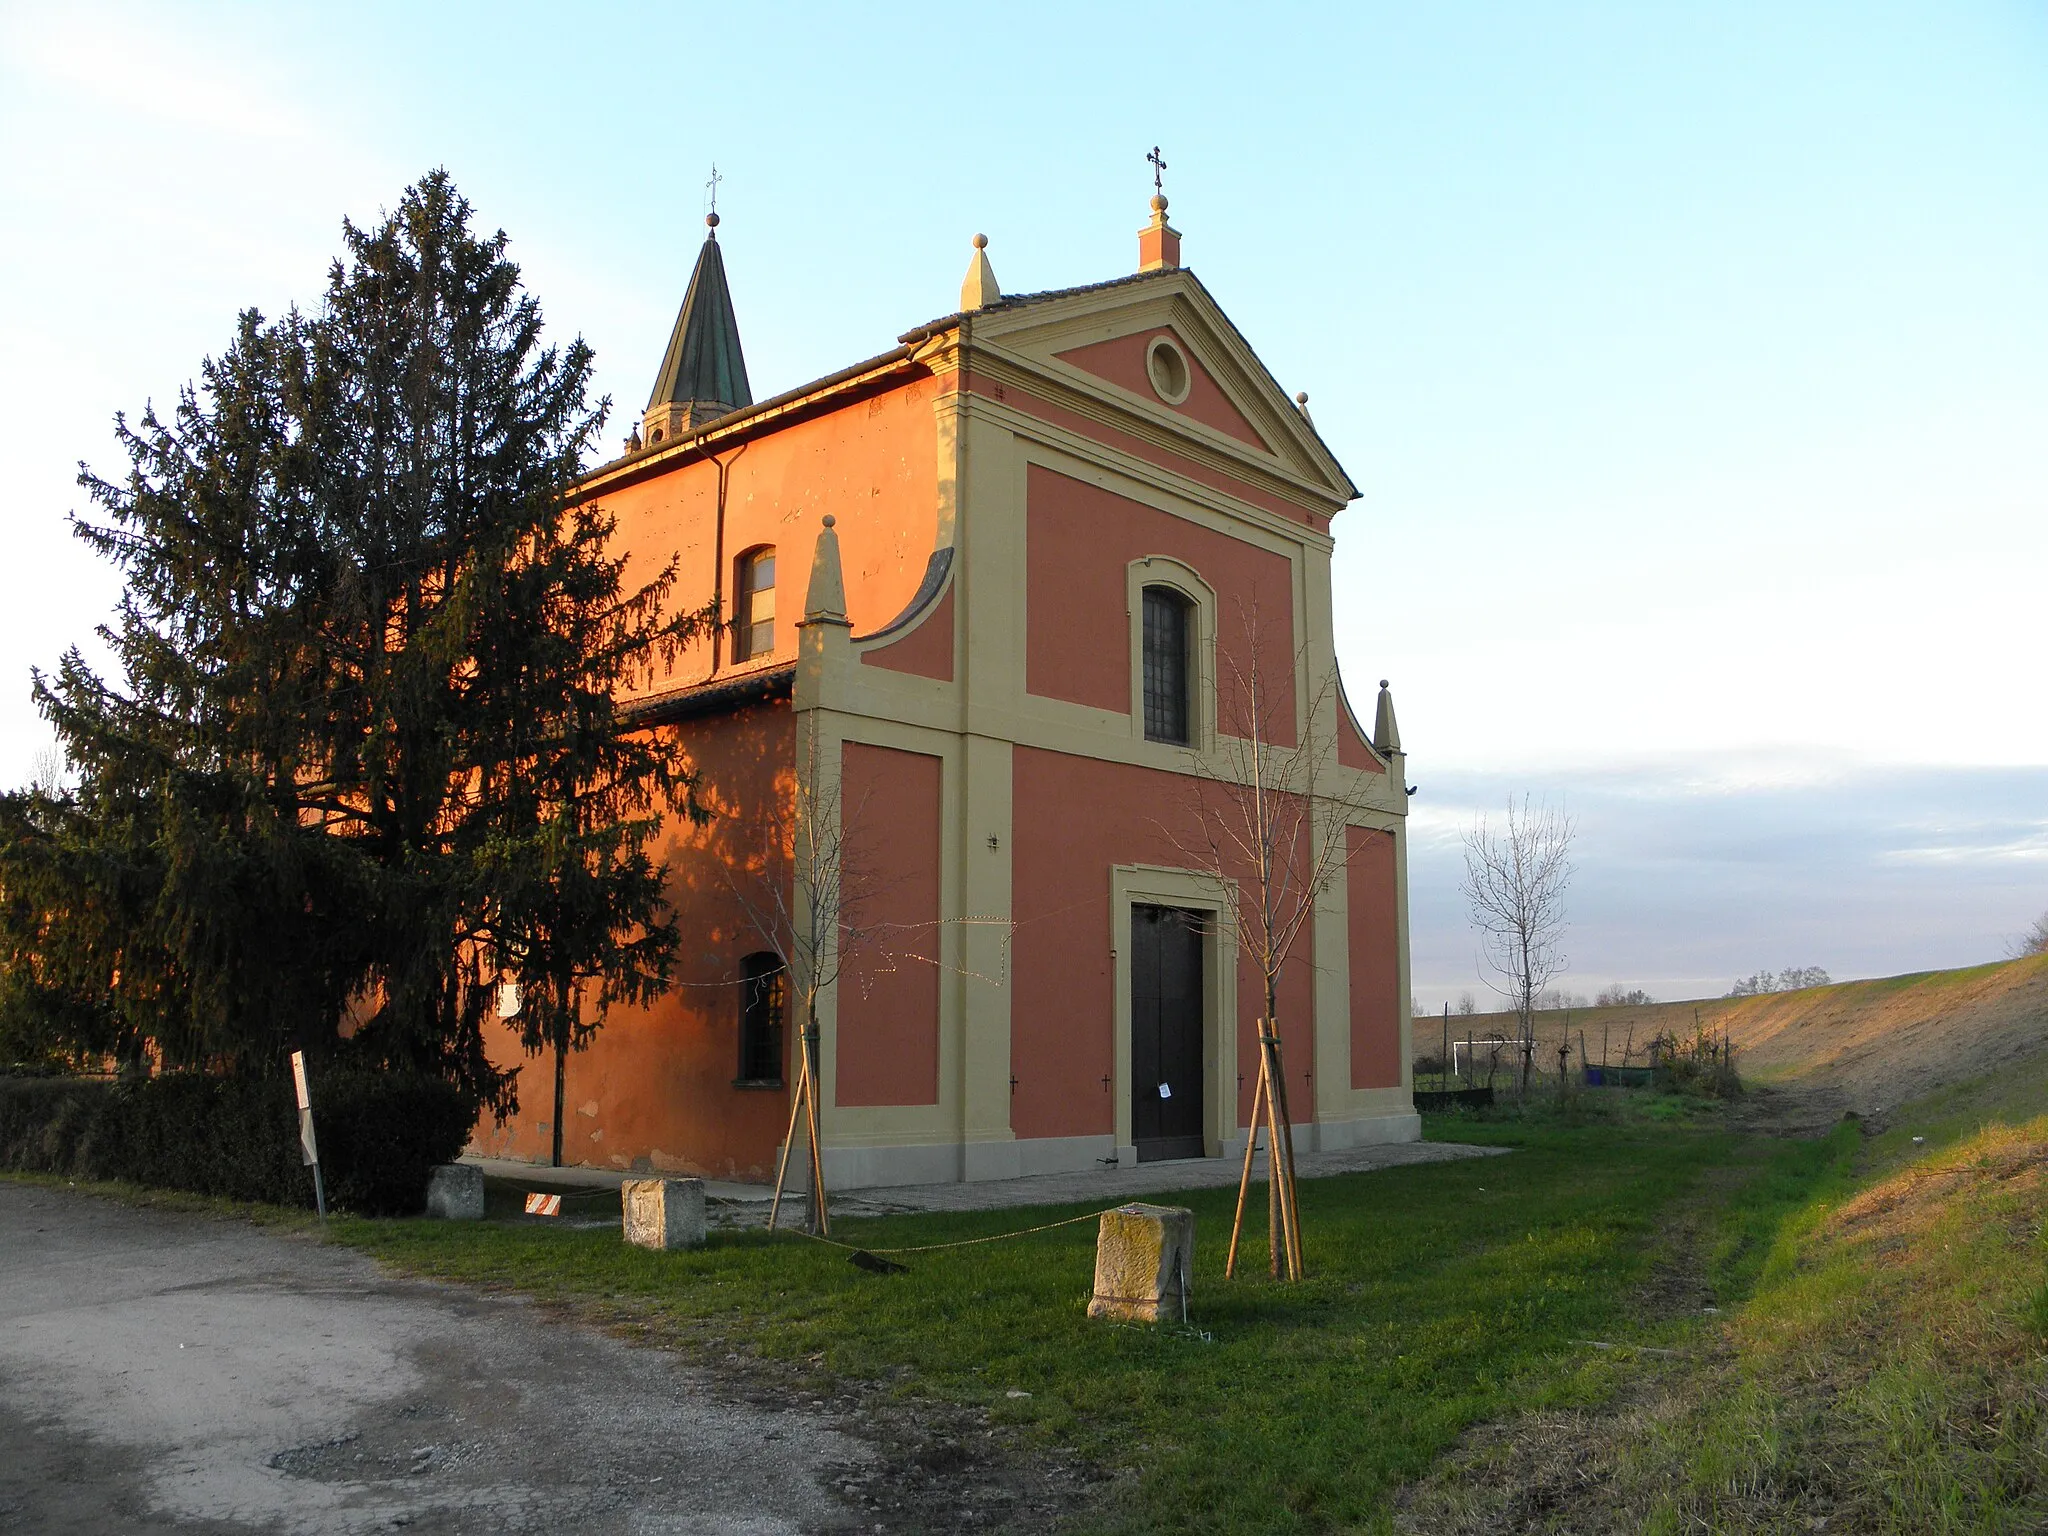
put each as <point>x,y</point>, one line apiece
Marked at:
<point>889,986</point>
<point>1075,818</point>
<point>1375,960</point>
<point>655,1088</point>
<point>1079,540</point>
<point>872,464</point>
<point>1121,360</point>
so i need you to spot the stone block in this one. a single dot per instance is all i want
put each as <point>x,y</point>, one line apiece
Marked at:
<point>1143,1257</point>
<point>663,1213</point>
<point>455,1192</point>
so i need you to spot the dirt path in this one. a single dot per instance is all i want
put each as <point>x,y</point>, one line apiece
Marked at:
<point>1562,1472</point>
<point>163,1371</point>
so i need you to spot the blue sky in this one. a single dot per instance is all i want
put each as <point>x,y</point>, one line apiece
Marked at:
<point>1693,359</point>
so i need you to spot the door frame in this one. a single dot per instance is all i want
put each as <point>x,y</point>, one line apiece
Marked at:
<point>1151,885</point>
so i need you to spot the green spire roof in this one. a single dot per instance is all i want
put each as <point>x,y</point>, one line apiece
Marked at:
<point>703,372</point>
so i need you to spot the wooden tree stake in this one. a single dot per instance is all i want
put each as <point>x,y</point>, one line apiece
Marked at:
<point>1283,1217</point>
<point>803,1106</point>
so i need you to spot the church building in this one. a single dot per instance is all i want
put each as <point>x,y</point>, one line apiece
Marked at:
<point>997,603</point>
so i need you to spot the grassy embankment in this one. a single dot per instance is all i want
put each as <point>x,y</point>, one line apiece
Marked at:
<point>1886,1369</point>
<point>1890,1371</point>
<point>1878,1042</point>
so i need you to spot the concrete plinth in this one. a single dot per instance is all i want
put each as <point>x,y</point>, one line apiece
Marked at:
<point>663,1213</point>
<point>1143,1257</point>
<point>455,1192</point>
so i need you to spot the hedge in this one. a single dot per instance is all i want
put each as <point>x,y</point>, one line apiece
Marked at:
<point>239,1137</point>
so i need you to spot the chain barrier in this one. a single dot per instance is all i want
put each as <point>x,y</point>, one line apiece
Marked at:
<point>965,1242</point>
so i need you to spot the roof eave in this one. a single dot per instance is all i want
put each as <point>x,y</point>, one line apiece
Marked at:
<point>748,419</point>
<point>714,696</point>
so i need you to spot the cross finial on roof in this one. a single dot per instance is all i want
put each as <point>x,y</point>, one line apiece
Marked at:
<point>711,186</point>
<point>1158,241</point>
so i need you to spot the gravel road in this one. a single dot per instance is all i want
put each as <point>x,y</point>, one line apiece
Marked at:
<point>164,1371</point>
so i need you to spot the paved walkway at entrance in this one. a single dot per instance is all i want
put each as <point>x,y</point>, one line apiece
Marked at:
<point>1100,1184</point>
<point>1110,1184</point>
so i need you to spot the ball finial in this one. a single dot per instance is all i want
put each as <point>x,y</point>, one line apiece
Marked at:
<point>830,521</point>
<point>711,221</point>
<point>981,242</point>
<point>1159,202</point>
<point>1302,398</point>
<point>1383,682</point>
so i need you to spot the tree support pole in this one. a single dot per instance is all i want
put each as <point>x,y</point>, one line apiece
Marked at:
<point>1280,1141</point>
<point>821,1218</point>
<point>803,1107</point>
<point>796,1108</point>
<point>1283,1216</point>
<point>1244,1183</point>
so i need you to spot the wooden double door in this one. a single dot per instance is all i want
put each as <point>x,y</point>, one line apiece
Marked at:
<point>1166,1032</point>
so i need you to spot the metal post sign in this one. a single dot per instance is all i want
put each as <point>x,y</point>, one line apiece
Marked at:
<point>309,1149</point>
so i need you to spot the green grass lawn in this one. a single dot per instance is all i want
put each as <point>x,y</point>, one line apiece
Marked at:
<point>1439,1296</point>
<point>1878,1359</point>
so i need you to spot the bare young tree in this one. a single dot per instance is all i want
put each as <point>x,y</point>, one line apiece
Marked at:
<point>1270,826</point>
<point>1514,887</point>
<point>814,912</point>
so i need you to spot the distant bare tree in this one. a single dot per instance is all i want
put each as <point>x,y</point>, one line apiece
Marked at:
<point>2034,941</point>
<point>1618,996</point>
<point>1467,1005</point>
<point>1791,979</point>
<point>47,770</point>
<point>1514,887</point>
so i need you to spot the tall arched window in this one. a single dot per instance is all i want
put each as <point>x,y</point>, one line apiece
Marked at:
<point>764,990</point>
<point>1167,714</point>
<point>753,624</point>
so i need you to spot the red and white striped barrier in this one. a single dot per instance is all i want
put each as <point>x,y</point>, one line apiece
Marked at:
<point>543,1205</point>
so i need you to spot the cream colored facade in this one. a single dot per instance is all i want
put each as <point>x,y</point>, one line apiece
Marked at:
<point>975,722</point>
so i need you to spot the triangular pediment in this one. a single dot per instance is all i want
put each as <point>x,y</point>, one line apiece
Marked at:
<point>1209,385</point>
<point>1133,362</point>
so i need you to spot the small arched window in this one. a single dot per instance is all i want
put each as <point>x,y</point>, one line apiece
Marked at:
<point>1165,653</point>
<point>753,624</point>
<point>764,990</point>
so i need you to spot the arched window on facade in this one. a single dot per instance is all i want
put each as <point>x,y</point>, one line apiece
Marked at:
<point>753,625</point>
<point>764,992</point>
<point>1165,648</point>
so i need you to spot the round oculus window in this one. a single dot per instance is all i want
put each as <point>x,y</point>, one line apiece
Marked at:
<point>1167,367</point>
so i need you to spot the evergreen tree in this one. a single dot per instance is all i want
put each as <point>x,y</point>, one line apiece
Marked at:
<point>366,754</point>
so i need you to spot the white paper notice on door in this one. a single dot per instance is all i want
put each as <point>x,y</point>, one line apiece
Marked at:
<point>1166,1090</point>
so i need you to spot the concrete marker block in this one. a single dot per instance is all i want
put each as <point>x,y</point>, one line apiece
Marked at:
<point>455,1192</point>
<point>663,1213</point>
<point>1143,1256</point>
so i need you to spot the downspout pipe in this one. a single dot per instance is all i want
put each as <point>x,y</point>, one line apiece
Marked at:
<point>724,468</point>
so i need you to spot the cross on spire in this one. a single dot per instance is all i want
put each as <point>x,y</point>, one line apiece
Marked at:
<point>1158,170</point>
<point>711,186</point>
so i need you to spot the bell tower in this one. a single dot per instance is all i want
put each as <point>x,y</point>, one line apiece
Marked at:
<point>703,374</point>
